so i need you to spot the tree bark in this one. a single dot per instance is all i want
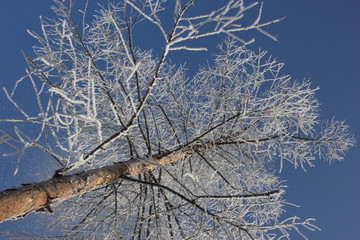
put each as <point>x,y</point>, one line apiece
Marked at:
<point>17,202</point>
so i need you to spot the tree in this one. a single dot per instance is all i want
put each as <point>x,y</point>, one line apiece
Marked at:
<point>145,152</point>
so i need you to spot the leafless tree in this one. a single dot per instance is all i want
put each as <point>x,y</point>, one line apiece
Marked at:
<point>145,152</point>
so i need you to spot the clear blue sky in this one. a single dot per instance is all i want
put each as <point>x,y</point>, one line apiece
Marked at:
<point>319,39</point>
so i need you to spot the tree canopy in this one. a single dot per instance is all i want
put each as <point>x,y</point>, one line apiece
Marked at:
<point>198,154</point>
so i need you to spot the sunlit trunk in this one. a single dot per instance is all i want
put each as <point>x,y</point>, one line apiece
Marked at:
<point>17,202</point>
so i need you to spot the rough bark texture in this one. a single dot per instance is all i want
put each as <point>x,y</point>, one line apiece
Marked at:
<point>31,197</point>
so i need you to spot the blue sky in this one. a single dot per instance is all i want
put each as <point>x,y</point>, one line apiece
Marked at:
<point>318,40</point>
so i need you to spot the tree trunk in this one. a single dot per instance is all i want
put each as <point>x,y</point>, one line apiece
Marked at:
<point>17,202</point>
